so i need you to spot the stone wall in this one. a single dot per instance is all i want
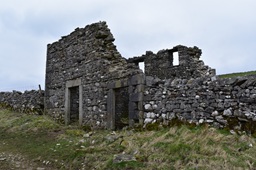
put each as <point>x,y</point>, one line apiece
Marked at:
<point>89,82</point>
<point>87,59</point>
<point>161,64</point>
<point>31,102</point>
<point>220,102</point>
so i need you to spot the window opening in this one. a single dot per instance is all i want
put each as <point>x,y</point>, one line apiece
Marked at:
<point>142,66</point>
<point>175,58</point>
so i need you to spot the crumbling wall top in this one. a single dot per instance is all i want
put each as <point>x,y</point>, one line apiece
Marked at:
<point>162,64</point>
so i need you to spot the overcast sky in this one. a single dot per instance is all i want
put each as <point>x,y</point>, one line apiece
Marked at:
<point>224,29</point>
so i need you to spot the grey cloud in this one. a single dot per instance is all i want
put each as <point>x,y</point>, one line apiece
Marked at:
<point>223,29</point>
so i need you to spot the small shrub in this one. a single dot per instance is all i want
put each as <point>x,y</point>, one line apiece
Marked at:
<point>152,126</point>
<point>86,128</point>
<point>74,132</point>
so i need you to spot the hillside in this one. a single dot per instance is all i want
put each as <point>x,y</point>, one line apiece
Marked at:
<point>36,142</point>
<point>238,74</point>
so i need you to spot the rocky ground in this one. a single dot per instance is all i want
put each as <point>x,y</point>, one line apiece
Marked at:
<point>10,161</point>
<point>30,142</point>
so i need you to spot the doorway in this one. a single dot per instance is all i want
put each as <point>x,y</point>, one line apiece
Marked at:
<point>121,108</point>
<point>73,102</point>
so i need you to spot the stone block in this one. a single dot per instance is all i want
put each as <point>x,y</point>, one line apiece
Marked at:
<point>238,113</point>
<point>132,108</point>
<point>215,113</point>
<point>141,114</point>
<point>227,112</point>
<point>148,107</point>
<point>111,85</point>
<point>148,120</point>
<point>140,105</point>
<point>118,84</point>
<point>149,81</point>
<point>209,109</point>
<point>123,158</point>
<point>131,89</point>
<point>137,79</point>
<point>136,97</point>
<point>140,88</point>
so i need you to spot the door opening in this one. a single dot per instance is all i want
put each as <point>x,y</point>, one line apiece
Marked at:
<point>74,104</point>
<point>121,108</point>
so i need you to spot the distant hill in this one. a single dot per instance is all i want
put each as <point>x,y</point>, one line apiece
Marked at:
<point>239,74</point>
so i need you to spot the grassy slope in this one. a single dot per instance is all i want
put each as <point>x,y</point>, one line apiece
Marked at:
<point>240,74</point>
<point>44,142</point>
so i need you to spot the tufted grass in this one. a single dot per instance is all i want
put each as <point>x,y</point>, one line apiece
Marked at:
<point>46,143</point>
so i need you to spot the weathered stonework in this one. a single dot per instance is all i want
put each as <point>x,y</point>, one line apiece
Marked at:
<point>30,102</point>
<point>88,59</point>
<point>161,64</point>
<point>221,103</point>
<point>89,82</point>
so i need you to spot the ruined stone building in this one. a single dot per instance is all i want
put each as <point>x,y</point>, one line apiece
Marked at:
<point>87,80</point>
<point>89,83</point>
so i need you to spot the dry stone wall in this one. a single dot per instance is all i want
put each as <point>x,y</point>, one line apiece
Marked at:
<point>222,102</point>
<point>31,102</point>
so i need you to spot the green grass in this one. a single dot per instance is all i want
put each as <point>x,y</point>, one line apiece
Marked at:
<point>240,74</point>
<point>46,143</point>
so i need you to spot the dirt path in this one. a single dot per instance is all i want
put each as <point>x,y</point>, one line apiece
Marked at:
<point>9,161</point>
